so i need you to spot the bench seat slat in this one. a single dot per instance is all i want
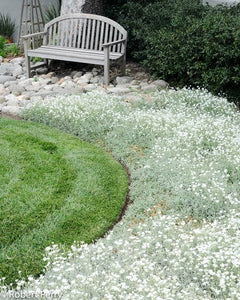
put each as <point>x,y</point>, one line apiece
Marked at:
<point>113,55</point>
<point>72,54</point>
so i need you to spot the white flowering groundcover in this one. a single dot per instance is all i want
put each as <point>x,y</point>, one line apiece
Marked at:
<point>180,236</point>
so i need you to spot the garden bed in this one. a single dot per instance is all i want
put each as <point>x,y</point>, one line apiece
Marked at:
<point>179,237</point>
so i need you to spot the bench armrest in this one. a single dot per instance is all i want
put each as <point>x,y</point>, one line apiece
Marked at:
<point>28,36</point>
<point>114,43</point>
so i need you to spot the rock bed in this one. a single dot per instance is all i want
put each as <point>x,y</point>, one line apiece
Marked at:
<point>16,90</point>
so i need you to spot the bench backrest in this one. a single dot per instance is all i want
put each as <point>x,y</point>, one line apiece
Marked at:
<point>84,31</point>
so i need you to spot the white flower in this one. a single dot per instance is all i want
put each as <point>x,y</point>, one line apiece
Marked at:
<point>179,238</point>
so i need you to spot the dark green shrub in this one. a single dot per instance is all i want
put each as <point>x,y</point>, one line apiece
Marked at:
<point>186,43</point>
<point>198,52</point>
<point>140,18</point>
<point>132,15</point>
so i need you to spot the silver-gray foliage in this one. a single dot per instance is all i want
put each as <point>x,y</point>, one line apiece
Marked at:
<point>179,238</point>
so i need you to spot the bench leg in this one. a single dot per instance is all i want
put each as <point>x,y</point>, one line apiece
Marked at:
<point>106,66</point>
<point>28,68</point>
<point>123,66</point>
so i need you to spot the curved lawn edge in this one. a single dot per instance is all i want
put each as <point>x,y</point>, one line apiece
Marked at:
<point>114,178</point>
<point>126,203</point>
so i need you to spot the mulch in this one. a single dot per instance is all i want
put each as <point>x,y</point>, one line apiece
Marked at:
<point>8,116</point>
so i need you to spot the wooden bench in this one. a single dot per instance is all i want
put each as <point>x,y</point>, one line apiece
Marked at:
<point>82,38</point>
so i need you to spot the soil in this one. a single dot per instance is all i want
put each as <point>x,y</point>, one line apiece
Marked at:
<point>8,116</point>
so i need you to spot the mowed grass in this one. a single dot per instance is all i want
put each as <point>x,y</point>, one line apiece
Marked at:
<point>53,188</point>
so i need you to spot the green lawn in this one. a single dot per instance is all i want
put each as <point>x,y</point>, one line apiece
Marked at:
<point>53,188</point>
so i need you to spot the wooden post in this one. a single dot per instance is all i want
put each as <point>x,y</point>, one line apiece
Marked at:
<point>27,58</point>
<point>32,19</point>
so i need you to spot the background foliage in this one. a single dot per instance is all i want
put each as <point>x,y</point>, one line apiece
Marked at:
<point>7,26</point>
<point>184,42</point>
<point>12,49</point>
<point>53,11</point>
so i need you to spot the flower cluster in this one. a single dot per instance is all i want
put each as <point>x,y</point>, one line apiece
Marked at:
<point>179,238</point>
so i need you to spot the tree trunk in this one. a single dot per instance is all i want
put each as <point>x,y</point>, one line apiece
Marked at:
<point>84,6</point>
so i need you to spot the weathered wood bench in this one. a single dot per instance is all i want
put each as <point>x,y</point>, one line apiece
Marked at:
<point>81,38</point>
